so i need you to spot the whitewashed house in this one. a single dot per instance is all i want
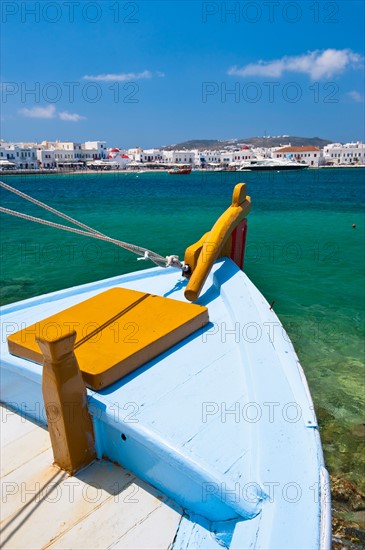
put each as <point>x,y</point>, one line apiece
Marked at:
<point>167,156</point>
<point>97,149</point>
<point>135,153</point>
<point>150,155</point>
<point>182,157</point>
<point>242,155</point>
<point>22,157</point>
<point>349,153</point>
<point>46,158</point>
<point>310,155</point>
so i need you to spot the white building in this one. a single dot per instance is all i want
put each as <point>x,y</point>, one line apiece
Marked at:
<point>208,157</point>
<point>70,153</point>
<point>67,153</point>
<point>179,157</point>
<point>310,155</point>
<point>50,154</point>
<point>239,155</point>
<point>349,153</point>
<point>135,153</point>
<point>118,158</point>
<point>97,148</point>
<point>19,156</point>
<point>148,155</point>
<point>46,158</point>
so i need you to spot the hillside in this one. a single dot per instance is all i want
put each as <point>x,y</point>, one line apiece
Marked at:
<point>275,141</point>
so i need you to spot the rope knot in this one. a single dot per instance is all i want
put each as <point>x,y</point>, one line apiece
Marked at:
<point>173,261</point>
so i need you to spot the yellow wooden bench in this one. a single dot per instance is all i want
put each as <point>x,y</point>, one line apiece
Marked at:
<point>117,331</point>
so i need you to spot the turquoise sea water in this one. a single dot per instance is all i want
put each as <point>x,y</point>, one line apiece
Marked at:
<point>302,252</point>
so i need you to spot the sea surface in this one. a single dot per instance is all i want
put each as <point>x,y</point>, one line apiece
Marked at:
<point>303,253</point>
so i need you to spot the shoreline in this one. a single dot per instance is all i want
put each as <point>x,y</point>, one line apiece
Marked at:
<point>144,171</point>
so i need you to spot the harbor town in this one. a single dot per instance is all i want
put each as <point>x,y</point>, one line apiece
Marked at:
<point>71,156</point>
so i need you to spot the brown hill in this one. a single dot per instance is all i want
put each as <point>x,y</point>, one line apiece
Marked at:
<point>270,141</point>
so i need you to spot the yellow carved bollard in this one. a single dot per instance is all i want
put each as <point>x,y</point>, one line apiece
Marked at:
<point>65,399</point>
<point>217,242</point>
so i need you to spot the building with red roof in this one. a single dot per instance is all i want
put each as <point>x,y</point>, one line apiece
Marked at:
<point>308,154</point>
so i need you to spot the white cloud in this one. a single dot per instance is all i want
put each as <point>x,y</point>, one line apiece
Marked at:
<point>317,64</point>
<point>119,77</point>
<point>50,112</point>
<point>71,117</point>
<point>356,96</point>
<point>123,77</point>
<point>39,112</point>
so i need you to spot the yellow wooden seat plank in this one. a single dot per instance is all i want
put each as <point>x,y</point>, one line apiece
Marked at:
<point>117,331</point>
<point>85,318</point>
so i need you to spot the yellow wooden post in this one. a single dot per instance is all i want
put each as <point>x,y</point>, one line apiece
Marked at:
<point>65,400</point>
<point>201,256</point>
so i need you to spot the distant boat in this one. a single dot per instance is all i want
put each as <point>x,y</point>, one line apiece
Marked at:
<point>180,171</point>
<point>271,164</point>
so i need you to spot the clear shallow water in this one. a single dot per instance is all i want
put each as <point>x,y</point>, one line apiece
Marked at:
<point>302,252</point>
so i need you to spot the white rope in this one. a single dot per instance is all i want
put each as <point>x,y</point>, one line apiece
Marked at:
<point>45,206</point>
<point>146,254</point>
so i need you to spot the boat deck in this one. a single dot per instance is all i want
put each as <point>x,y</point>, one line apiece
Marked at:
<point>222,423</point>
<point>103,506</point>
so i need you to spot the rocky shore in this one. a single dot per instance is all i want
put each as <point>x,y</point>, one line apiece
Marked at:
<point>348,515</point>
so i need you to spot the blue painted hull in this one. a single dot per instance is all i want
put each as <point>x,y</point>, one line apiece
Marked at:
<point>222,423</point>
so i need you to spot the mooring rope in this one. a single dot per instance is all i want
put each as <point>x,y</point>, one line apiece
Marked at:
<point>87,231</point>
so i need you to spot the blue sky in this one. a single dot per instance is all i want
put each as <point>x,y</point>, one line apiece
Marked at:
<point>151,73</point>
